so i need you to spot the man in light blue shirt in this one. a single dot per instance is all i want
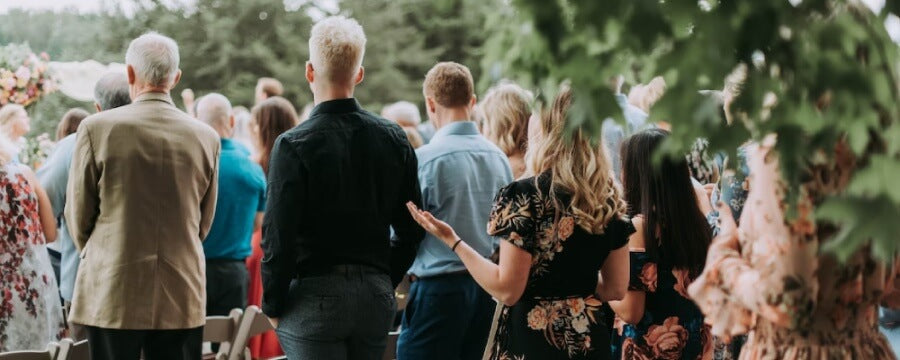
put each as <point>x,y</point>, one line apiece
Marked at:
<point>110,92</point>
<point>448,316</point>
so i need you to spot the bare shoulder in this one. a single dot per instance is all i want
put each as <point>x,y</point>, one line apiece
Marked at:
<point>636,241</point>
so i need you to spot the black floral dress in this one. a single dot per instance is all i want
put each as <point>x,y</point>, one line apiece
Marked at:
<point>672,327</point>
<point>557,317</point>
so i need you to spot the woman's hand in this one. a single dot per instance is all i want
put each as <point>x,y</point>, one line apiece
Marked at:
<point>435,227</point>
<point>728,229</point>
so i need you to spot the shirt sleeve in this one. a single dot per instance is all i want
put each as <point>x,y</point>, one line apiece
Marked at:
<point>208,203</point>
<point>777,281</point>
<point>82,196</point>
<point>261,204</point>
<point>282,224</point>
<point>513,217</point>
<point>643,272</point>
<point>54,175</point>
<point>407,233</point>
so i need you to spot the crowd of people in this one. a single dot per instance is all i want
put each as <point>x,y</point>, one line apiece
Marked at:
<point>521,238</point>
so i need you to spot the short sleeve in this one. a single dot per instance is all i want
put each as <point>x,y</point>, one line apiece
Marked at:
<point>642,272</point>
<point>513,218</point>
<point>618,231</point>
<point>261,178</point>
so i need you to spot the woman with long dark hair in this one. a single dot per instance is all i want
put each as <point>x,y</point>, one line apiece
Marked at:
<point>269,119</point>
<point>657,319</point>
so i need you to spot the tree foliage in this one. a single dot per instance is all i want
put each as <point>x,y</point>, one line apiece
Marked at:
<point>825,69</point>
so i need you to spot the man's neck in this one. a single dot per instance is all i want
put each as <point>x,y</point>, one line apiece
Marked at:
<point>449,116</point>
<point>149,89</point>
<point>332,93</point>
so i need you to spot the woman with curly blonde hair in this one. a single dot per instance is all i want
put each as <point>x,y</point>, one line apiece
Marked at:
<point>506,109</point>
<point>559,228</point>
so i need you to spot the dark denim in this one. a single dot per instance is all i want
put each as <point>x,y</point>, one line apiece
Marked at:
<point>345,313</point>
<point>447,317</point>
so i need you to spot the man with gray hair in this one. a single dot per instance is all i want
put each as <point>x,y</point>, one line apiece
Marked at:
<point>110,92</point>
<point>241,201</point>
<point>140,200</point>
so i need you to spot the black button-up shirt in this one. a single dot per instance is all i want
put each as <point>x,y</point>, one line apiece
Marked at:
<point>337,183</point>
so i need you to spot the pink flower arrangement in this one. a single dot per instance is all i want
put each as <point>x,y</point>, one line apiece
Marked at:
<point>23,75</point>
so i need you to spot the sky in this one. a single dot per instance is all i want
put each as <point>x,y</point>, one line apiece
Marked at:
<point>86,6</point>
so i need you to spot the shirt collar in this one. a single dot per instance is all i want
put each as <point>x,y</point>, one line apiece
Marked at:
<point>337,106</point>
<point>227,144</point>
<point>155,96</point>
<point>464,127</point>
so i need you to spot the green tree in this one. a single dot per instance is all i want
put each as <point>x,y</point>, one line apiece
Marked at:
<point>829,64</point>
<point>227,45</point>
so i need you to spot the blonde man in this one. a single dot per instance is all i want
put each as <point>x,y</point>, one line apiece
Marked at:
<point>337,183</point>
<point>506,109</point>
<point>139,202</point>
<point>448,315</point>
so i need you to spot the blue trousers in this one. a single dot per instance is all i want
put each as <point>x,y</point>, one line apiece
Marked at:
<point>447,317</point>
<point>342,315</point>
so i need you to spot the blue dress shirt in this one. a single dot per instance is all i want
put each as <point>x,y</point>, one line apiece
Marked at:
<point>53,176</point>
<point>460,173</point>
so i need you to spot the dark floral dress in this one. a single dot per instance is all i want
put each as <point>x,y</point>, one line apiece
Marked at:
<point>557,317</point>
<point>672,326</point>
<point>30,311</point>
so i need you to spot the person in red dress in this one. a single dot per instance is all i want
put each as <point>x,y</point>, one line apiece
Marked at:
<point>270,118</point>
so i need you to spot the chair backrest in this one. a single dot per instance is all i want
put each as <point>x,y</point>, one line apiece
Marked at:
<point>390,352</point>
<point>222,330</point>
<point>252,323</point>
<point>49,354</point>
<point>71,350</point>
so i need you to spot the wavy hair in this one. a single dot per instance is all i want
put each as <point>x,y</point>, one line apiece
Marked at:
<point>576,166</point>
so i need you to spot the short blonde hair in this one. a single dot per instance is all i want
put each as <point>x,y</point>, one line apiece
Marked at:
<point>336,48</point>
<point>7,113</point>
<point>450,84</point>
<point>506,109</point>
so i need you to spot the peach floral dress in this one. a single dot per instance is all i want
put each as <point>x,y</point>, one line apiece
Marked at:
<point>772,281</point>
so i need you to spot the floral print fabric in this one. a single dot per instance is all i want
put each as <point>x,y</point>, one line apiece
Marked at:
<point>30,315</point>
<point>773,281</point>
<point>672,327</point>
<point>557,317</point>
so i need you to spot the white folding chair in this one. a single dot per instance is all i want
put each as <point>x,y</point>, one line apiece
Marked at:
<point>253,323</point>
<point>222,330</point>
<point>49,354</point>
<point>71,350</point>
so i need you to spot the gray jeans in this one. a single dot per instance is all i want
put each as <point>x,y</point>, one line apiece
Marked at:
<point>344,314</point>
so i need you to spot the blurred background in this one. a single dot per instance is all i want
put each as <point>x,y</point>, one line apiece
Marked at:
<point>227,44</point>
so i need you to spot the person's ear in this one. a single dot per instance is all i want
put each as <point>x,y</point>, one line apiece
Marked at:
<point>97,106</point>
<point>473,101</point>
<point>430,105</point>
<point>231,122</point>
<point>360,75</point>
<point>131,75</point>
<point>310,72</point>
<point>177,79</point>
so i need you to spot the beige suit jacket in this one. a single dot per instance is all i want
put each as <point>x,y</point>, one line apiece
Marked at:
<point>140,199</point>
